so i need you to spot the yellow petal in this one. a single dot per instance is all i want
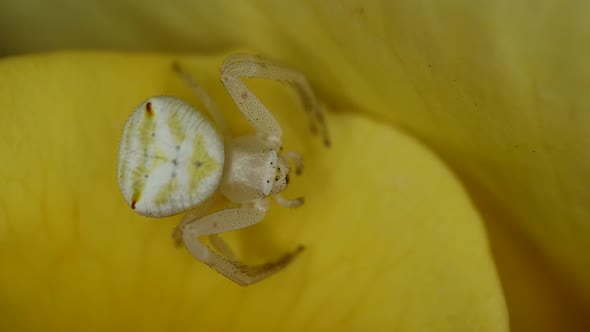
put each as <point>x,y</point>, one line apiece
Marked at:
<point>497,88</point>
<point>393,241</point>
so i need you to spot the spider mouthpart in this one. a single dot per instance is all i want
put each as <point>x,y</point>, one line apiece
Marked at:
<point>287,178</point>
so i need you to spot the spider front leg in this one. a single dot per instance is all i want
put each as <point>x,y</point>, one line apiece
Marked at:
<point>238,66</point>
<point>224,221</point>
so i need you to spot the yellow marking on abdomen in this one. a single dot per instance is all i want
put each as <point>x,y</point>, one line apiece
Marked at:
<point>201,165</point>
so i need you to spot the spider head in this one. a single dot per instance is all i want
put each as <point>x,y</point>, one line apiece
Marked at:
<point>281,178</point>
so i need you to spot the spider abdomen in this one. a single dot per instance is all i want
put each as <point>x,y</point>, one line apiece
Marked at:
<point>170,158</point>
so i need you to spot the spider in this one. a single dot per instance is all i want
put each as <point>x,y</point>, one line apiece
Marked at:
<point>173,159</point>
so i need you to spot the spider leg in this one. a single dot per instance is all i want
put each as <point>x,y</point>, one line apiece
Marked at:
<point>221,246</point>
<point>288,202</point>
<point>296,158</point>
<point>215,240</point>
<point>224,221</point>
<point>238,66</point>
<point>209,103</point>
<point>192,215</point>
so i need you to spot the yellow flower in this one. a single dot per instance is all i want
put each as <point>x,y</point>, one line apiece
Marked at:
<point>452,124</point>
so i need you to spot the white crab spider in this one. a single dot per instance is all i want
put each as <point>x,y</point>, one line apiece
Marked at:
<point>172,159</point>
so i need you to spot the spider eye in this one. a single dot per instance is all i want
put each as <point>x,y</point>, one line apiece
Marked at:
<point>277,178</point>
